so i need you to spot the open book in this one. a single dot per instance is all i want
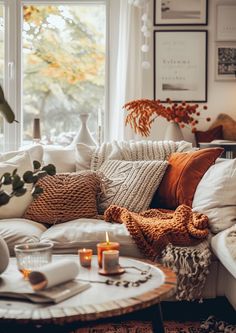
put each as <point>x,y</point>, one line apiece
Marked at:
<point>23,290</point>
<point>223,142</point>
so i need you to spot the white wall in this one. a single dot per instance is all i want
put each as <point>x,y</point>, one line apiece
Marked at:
<point>221,94</point>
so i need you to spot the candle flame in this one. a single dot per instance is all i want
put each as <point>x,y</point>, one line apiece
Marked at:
<point>107,238</point>
<point>84,250</point>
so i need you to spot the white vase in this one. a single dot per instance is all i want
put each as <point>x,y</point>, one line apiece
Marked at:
<point>173,132</point>
<point>4,255</point>
<point>84,135</point>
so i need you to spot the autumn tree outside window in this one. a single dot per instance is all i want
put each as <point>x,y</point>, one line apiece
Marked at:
<point>63,59</point>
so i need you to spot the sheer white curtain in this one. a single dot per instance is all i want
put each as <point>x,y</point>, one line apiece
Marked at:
<point>125,72</point>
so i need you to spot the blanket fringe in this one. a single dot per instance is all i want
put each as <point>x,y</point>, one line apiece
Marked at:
<point>191,265</point>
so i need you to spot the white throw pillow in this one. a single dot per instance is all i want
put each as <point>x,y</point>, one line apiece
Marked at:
<point>17,205</point>
<point>84,156</point>
<point>62,158</point>
<point>35,153</point>
<point>215,195</point>
<point>130,184</point>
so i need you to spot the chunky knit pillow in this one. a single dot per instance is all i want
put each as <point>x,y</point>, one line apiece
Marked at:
<point>130,184</point>
<point>65,197</point>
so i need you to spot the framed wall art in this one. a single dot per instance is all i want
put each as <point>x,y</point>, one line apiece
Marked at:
<point>226,23</point>
<point>180,65</point>
<point>180,12</point>
<point>225,66</point>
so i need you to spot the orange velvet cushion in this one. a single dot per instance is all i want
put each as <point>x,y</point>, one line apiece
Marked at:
<point>65,197</point>
<point>184,172</point>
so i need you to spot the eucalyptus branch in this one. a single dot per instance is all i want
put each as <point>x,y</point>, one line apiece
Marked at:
<point>18,183</point>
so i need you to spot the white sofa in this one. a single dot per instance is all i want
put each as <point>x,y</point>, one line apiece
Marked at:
<point>80,233</point>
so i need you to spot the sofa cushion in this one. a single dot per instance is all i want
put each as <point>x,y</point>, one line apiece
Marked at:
<point>84,156</point>
<point>130,184</point>
<point>18,230</point>
<point>35,152</point>
<point>65,197</point>
<point>86,233</point>
<point>219,247</point>
<point>17,205</point>
<point>215,195</point>
<point>62,158</point>
<point>184,172</point>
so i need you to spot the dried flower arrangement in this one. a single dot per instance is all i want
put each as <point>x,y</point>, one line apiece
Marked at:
<point>143,112</point>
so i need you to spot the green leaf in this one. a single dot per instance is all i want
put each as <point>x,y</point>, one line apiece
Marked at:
<point>6,178</point>
<point>28,177</point>
<point>2,98</point>
<point>17,183</point>
<point>14,172</point>
<point>37,191</point>
<point>20,191</point>
<point>35,179</point>
<point>4,198</point>
<point>41,174</point>
<point>50,169</point>
<point>37,165</point>
<point>7,112</point>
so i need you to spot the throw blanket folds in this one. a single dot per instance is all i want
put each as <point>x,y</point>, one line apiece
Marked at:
<point>174,237</point>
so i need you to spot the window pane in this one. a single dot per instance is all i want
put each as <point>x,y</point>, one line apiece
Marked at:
<point>1,70</point>
<point>63,68</point>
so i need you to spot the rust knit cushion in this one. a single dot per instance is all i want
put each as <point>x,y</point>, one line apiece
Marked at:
<point>181,179</point>
<point>65,197</point>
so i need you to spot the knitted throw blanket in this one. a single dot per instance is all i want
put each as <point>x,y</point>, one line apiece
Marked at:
<point>136,151</point>
<point>173,237</point>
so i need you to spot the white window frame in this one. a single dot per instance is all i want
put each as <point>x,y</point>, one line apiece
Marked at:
<point>13,82</point>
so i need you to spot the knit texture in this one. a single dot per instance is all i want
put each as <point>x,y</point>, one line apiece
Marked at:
<point>135,151</point>
<point>176,239</point>
<point>65,197</point>
<point>154,229</point>
<point>191,264</point>
<point>130,184</point>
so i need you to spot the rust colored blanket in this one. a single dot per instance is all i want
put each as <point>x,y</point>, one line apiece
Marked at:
<point>154,229</point>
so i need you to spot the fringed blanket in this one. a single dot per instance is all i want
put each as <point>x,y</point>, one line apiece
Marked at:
<point>172,237</point>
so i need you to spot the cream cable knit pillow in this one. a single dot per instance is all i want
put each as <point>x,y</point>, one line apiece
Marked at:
<point>130,184</point>
<point>91,158</point>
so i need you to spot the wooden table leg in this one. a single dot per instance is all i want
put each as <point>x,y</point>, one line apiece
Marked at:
<point>157,319</point>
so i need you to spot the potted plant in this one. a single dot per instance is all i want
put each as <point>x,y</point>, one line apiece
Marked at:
<point>17,183</point>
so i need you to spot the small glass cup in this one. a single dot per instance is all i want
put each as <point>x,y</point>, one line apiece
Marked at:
<point>31,256</point>
<point>85,256</point>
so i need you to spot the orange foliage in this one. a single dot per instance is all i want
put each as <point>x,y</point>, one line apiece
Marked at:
<point>143,112</point>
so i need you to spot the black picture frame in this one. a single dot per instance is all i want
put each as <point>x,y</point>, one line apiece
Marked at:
<point>225,61</point>
<point>180,65</point>
<point>191,18</point>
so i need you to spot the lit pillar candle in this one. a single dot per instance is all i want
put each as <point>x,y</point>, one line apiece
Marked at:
<point>85,256</point>
<point>105,247</point>
<point>110,261</point>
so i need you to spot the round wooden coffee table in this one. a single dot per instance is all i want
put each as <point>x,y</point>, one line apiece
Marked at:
<point>98,303</point>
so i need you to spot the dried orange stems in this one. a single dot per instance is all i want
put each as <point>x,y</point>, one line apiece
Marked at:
<point>143,112</point>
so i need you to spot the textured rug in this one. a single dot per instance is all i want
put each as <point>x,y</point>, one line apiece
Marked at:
<point>211,325</point>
